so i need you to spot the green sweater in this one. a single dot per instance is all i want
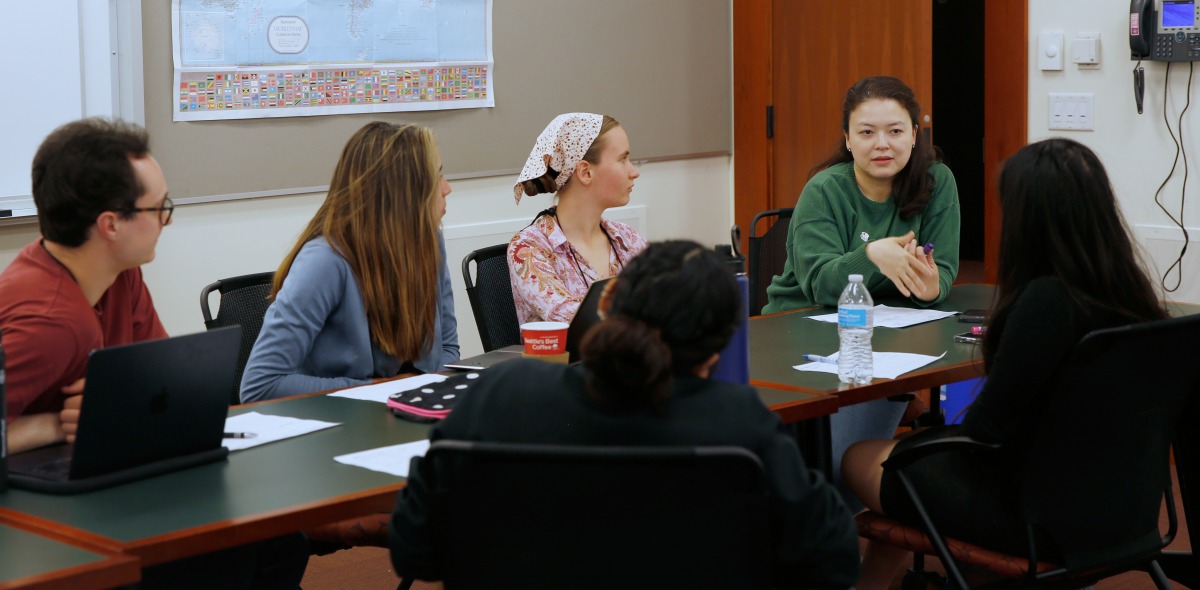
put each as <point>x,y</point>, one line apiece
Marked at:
<point>831,226</point>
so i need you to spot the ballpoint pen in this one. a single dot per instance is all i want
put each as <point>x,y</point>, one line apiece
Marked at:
<point>240,435</point>
<point>816,358</point>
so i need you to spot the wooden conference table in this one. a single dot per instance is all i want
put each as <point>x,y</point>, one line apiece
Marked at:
<point>295,484</point>
<point>777,342</point>
<point>258,493</point>
<point>36,560</point>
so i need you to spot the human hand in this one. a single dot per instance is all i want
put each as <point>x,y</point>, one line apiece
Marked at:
<point>896,258</point>
<point>929,285</point>
<point>69,416</point>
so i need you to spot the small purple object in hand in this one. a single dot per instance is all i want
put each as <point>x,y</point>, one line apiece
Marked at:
<point>928,248</point>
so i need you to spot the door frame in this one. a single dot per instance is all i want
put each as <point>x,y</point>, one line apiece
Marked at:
<point>1005,98</point>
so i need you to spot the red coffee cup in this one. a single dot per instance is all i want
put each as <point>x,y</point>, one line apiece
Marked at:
<point>545,340</point>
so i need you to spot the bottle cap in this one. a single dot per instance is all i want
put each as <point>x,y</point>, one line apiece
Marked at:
<point>855,278</point>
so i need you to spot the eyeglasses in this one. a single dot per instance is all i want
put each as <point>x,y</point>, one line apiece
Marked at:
<point>164,212</point>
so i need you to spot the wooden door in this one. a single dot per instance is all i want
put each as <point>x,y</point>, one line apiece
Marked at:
<point>819,49</point>
<point>796,58</point>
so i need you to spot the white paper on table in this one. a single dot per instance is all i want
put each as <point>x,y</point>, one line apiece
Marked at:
<point>267,428</point>
<point>393,459</point>
<point>888,365</point>
<point>380,392</point>
<point>893,317</point>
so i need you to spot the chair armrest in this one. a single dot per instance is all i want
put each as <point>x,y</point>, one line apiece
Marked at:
<point>924,449</point>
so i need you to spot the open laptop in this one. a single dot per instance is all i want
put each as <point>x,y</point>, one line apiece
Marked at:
<point>148,408</point>
<point>586,316</point>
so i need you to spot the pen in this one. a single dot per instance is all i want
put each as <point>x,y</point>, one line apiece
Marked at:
<point>928,247</point>
<point>816,358</point>
<point>240,435</point>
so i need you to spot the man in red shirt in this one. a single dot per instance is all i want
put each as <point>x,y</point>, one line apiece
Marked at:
<point>102,203</point>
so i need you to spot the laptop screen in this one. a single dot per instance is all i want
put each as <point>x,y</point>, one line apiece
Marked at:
<point>586,316</point>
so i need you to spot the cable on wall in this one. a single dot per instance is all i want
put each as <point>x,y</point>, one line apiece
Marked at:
<point>1180,151</point>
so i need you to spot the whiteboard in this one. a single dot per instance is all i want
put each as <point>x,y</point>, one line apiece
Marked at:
<point>65,55</point>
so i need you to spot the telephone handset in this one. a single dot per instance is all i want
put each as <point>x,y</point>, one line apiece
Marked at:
<point>1164,30</point>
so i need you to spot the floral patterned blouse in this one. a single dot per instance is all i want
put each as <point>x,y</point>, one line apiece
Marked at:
<point>550,277</point>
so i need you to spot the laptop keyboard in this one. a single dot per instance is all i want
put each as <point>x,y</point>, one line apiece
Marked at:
<point>57,469</point>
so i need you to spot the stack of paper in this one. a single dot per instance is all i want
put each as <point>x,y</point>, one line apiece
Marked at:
<point>888,365</point>
<point>893,317</point>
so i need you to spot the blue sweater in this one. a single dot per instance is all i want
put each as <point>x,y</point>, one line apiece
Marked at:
<point>315,334</point>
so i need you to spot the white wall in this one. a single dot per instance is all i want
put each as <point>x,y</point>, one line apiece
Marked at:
<point>678,199</point>
<point>1136,149</point>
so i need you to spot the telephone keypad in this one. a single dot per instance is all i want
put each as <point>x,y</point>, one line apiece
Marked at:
<point>1178,46</point>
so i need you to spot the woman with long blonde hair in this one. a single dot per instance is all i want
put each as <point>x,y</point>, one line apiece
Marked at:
<point>351,301</point>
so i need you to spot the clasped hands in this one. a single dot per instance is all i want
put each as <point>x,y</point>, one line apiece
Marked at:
<point>906,264</point>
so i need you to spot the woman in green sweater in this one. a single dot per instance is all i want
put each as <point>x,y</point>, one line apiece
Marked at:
<point>870,210</point>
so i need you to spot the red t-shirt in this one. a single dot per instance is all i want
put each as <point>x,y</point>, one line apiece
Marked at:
<point>49,328</point>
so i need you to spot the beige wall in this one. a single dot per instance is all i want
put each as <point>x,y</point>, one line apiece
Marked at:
<point>678,199</point>
<point>1136,149</point>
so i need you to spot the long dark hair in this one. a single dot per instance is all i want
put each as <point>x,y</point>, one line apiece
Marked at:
<point>671,309</point>
<point>912,187</point>
<point>1060,219</point>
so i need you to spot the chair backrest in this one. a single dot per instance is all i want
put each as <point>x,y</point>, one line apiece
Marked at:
<point>538,516</point>
<point>243,303</point>
<point>490,294</point>
<point>1096,468</point>
<point>766,255</point>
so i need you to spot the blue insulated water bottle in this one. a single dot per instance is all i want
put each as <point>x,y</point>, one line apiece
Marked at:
<point>734,364</point>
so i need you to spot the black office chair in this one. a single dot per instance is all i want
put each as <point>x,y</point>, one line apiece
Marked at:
<point>1095,472</point>
<point>542,516</point>
<point>766,255</point>
<point>243,303</point>
<point>490,294</point>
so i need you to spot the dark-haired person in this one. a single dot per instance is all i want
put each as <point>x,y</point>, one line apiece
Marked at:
<point>102,204</point>
<point>583,159</point>
<point>1053,288</point>
<point>365,291</point>
<point>869,210</point>
<point>644,381</point>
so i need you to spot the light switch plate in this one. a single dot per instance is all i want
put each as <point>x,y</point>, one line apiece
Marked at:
<point>1050,50</point>
<point>1072,111</point>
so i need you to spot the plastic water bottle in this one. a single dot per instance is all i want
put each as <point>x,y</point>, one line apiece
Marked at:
<point>855,326</point>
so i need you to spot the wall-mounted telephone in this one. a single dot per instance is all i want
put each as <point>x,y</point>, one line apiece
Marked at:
<point>1164,30</point>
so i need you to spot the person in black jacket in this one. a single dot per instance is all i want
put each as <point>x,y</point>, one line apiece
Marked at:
<point>643,381</point>
<point>1067,267</point>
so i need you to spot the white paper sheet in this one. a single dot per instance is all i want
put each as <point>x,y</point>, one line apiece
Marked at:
<point>888,365</point>
<point>393,460</point>
<point>266,428</point>
<point>894,317</point>
<point>380,392</point>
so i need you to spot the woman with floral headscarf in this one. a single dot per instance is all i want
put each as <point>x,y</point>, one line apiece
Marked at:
<point>584,159</point>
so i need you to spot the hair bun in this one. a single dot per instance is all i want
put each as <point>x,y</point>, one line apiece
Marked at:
<point>627,362</point>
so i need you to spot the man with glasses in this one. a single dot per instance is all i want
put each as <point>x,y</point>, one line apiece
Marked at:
<point>102,203</point>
